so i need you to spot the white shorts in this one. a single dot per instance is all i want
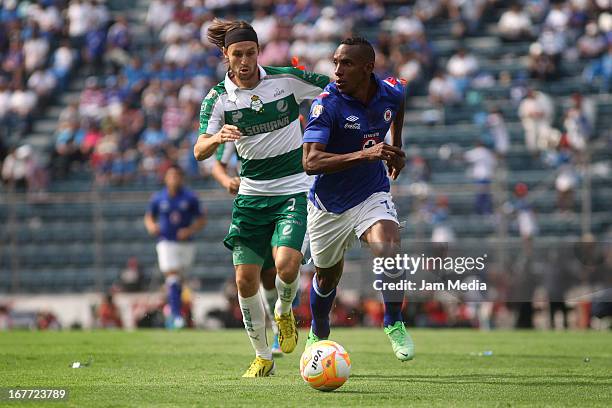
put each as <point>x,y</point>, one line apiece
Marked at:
<point>175,256</point>
<point>332,234</point>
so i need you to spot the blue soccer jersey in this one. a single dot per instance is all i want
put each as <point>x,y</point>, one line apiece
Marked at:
<point>174,213</point>
<point>346,125</point>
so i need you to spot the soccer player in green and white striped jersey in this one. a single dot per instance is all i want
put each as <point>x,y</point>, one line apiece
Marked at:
<point>257,108</point>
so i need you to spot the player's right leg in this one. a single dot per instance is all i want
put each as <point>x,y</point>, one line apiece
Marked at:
<point>248,269</point>
<point>330,236</point>
<point>170,262</point>
<point>270,296</point>
<point>322,295</point>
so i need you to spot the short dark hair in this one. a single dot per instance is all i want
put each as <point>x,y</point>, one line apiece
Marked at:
<point>364,45</point>
<point>176,167</point>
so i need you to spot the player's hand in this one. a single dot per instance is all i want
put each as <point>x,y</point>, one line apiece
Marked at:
<point>233,186</point>
<point>183,234</point>
<point>228,133</point>
<point>154,231</point>
<point>383,151</point>
<point>395,166</point>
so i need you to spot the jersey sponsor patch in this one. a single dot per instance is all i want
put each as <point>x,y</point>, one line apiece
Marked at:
<point>282,106</point>
<point>317,111</point>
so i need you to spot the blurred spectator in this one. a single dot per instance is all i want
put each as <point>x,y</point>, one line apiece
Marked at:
<point>497,129</point>
<point>5,103</point>
<point>5,319</point>
<point>118,44</point>
<point>591,44</point>
<point>92,101</point>
<point>514,24</point>
<point>264,24</point>
<point>599,72</point>
<point>407,24</point>
<point>43,83</point>
<point>521,208</point>
<point>483,163</point>
<point>541,66</point>
<point>566,180</point>
<point>536,113</point>
<point>579,122</point>
<point>328,25</point>
<point>46,320</point>
<point>131,276</point>
<point>160,12</point>
<point>62,62</point>
<point>461,67</point>
<point>35,51</point>
<point>442,90</point>
<point>67,150</point>
<point>23,101</point>
<point>109,316</point>
<point>442,231</point>
<point>276,51</point>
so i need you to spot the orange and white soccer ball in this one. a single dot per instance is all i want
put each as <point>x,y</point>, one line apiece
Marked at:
<point>325,365</point>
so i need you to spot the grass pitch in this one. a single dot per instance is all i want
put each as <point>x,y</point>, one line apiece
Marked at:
<point>198,368</point>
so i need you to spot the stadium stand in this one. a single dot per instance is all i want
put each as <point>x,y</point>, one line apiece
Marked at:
<point>103,137</point>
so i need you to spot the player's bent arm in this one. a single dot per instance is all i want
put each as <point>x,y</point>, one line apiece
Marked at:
<point>207,144</point>
<point>151,225</point>
<point>316,160</point>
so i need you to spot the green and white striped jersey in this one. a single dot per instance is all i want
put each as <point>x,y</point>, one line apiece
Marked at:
<point>270,149</point>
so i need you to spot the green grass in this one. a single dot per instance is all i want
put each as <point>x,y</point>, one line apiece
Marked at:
<point>197,368</point>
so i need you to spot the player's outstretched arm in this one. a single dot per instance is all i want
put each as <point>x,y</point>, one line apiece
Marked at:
<point>207,144</point>
<point>317,161</point>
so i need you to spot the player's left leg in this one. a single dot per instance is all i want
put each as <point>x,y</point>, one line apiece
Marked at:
<point>270,296</point>
<point>287,242</point>
<point>379,227</point>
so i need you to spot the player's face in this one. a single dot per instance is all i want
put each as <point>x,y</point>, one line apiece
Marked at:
<point>351,70</point>
<point>173,179</point>
<point>242,58</point>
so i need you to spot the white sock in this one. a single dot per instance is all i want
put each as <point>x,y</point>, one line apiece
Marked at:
<point>286,294</point>
<point>270,296</point>
<point>254,318</point>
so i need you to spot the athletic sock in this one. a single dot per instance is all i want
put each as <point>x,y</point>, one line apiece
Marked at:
<point>320,307</point>
<point>270,296</point>
<point>286,294</point>
<point>254,318</point>
<point>174,295</point>
<point>393,313</point>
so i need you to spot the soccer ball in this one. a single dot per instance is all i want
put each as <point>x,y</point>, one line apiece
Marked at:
<point>325,365</point>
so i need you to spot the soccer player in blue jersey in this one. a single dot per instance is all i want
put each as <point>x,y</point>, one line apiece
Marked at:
<point>174,216</point>
<point>343,146</point>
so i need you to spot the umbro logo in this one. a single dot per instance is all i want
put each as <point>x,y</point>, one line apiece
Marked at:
<point>352,118</point>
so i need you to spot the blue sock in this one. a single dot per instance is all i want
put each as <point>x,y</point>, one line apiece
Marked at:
<point>393,313</point>
<point>174,298</point>
<point>320,306</point>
